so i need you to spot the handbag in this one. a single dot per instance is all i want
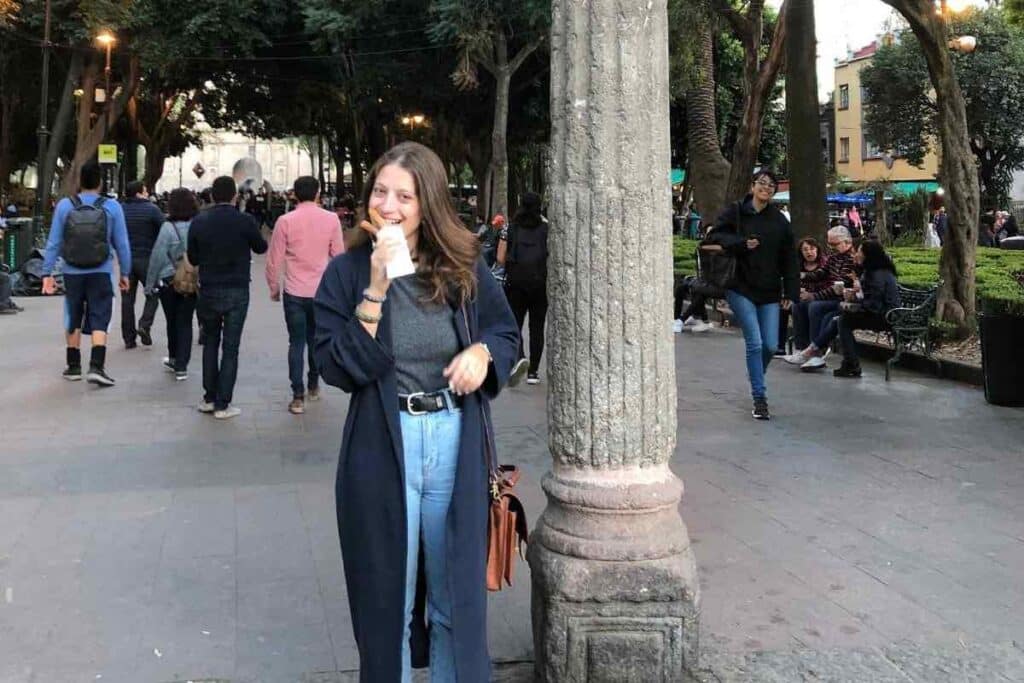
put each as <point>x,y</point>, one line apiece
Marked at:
<point>186,276</point>
<point>507,528</point>
<point>716,267</point>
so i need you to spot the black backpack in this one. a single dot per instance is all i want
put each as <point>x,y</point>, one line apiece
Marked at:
<point>527,259</point>
<point>85,234</point>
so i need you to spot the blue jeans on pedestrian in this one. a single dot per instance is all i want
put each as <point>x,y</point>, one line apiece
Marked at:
<point>760,325</point>
<point>431,450</point>
<point>298,316</point>
<point>829,329</point>
<point>222,312</point>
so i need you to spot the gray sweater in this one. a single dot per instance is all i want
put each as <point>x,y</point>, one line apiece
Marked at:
<point>166,252</point>
<point>423,336</point>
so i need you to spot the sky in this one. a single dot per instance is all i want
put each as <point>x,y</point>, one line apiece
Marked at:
<point>847,24</point>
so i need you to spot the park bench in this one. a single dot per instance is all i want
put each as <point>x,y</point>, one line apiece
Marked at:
<point>909,323</point>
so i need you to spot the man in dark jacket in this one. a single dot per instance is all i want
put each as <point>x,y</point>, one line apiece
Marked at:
<point>219,244</point>
<point>144,220</point>
<point>760,237</point>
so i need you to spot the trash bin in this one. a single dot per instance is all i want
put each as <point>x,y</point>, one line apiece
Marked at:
<point>17,242</point>
<point>1002,338</point>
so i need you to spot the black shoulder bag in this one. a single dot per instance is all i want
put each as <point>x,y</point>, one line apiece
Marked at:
<point>716,267</point>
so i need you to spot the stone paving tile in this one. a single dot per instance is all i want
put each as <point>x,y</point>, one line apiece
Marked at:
<point>872,531</point>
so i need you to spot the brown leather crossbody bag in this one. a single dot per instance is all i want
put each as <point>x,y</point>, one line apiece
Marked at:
<point>507,528</point>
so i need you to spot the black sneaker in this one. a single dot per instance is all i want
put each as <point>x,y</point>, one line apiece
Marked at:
<point>851,371</point>
<point>533,378</point>
<point>760,411</point>
<point>129,345</point>
<point>145,338</point>
<point>8,310</point>
<point>72,373</point>
<point>100,378</point>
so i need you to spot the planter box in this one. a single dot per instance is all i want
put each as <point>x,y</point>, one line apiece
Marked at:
<point>1002,345</point>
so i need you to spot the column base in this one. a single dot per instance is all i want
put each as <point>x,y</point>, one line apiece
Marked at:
<point>629,611</point>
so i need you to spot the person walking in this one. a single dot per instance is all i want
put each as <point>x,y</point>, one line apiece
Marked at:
<point>303,243</point>
<point>167,259</point>
<point>523,253</point>
<point>760,238</point>
<point>423,356</point>
<point>87,231</point>
<point>219,245</point>
<point>143,219</point>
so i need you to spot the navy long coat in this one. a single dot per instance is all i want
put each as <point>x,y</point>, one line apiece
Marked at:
<point>370,487</point>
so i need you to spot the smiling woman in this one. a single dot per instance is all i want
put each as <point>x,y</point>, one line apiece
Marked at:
<point>422,356</point>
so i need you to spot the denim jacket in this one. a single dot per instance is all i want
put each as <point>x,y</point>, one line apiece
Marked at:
<point>170,246</point>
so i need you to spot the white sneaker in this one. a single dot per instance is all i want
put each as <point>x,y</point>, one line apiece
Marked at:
<point>205,407</point>
<point>795,358</point>
<point>701,326</point>
<point>677,326</point>
<point>689,321</point>
<point>813,363</point>
<point>227,413</point>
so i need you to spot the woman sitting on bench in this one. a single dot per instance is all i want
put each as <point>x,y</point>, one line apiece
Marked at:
<point>864,307</point>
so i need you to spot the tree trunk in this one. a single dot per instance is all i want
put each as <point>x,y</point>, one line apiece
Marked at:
<point>8,103</point>
<point>709,169</point>
<point>499,132</point>
<point>89,138</point>
<point>759,81</point>
<point>60,125</point>
<point>806,167</point>
<point>156,155</point>
<point>958,168</point>
<point>881,218</point>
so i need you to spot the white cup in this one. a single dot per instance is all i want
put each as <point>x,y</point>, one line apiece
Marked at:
<point>838,287</point>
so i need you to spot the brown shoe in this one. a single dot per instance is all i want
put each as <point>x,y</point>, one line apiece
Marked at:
<point>313,393</point>
<point>297,406</point>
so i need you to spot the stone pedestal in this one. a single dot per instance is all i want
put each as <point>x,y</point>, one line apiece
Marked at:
<point>615,593</point>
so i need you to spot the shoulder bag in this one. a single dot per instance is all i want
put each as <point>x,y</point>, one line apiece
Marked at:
<point>507,528</point>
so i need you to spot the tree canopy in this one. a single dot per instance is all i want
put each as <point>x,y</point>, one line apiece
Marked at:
<point>901,112</point>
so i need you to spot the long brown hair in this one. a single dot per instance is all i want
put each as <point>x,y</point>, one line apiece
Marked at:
<point>447,250</point>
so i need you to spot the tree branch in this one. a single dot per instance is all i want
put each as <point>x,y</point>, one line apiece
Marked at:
<point>739,23</point>
<point>524,53</point>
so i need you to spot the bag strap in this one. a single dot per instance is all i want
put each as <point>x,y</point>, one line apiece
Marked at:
<point>489,459</point>
<point>75,201</point>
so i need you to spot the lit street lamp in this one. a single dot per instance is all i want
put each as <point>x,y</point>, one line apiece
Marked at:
<point>106,39</point>
<point>413,121</point>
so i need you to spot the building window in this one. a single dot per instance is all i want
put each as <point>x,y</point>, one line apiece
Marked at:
<point>844,150</point>
<point>844,97</point>
<point>871,150</point>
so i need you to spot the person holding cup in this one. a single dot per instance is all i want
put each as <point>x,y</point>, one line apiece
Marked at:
<point>422,355</point>
<point>761,239</point>
<point>822,291</point>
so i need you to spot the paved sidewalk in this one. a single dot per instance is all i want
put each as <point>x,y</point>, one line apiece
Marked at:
<point>872,531</point>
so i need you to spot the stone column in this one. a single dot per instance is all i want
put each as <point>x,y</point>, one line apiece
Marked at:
<point>615,594</point>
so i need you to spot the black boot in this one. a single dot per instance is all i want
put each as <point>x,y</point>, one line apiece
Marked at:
<point>850,370</point>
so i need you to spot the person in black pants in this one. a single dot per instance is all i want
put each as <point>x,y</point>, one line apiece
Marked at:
<point>219,243</point>
<point>143,219</point>
<point>523,252</point>
<point>179,308</point>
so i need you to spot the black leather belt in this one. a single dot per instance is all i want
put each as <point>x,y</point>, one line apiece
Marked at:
<point>421,403</point>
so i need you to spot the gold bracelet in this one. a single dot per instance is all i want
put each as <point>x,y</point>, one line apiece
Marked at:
<point>369,318</point>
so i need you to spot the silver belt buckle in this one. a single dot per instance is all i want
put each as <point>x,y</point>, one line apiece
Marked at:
<point>408,400</point>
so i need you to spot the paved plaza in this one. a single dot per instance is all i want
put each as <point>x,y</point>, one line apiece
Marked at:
<point>871,532</point>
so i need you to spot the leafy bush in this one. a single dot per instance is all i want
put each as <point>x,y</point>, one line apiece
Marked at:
<point>998,273</point>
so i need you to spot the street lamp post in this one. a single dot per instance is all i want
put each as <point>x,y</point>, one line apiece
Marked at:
<point>107,39</point>
<point>42,192</point>
<point>413,121</point>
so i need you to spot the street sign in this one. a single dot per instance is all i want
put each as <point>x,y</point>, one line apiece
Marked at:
<point>108,154</point>
<point>198,170</point>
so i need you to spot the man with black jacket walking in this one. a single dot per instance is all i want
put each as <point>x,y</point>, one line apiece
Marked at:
<point>760,237</point>
<point>220,240</point>
<point>144,220</point>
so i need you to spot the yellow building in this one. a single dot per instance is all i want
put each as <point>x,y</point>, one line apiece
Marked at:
<point>856,158</point>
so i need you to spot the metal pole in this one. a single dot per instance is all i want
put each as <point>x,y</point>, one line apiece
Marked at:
<point>42,193</point>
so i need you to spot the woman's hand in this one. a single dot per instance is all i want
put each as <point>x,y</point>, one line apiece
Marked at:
<point>806,296</point>
<point>383,252</point>
<point>468,370</point>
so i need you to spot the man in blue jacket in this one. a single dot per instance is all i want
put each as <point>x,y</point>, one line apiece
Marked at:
<point>144,220</point>
<point>88,270</point>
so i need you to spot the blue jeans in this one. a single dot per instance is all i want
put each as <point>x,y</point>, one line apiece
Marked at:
<point>808,319</point>
<point>221,311</point>
<point>298,316</point>
<point>760,325</point>
<point>829,329</point>
<point>431,450</point>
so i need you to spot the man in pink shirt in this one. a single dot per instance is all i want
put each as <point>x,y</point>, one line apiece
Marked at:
<point>304,241</point>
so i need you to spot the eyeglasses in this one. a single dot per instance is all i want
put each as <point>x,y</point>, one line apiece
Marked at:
<point>766,183</point>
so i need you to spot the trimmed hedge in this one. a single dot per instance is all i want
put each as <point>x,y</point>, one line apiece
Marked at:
<point>995,273</point>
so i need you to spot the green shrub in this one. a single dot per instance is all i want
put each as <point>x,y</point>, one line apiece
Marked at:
<point>998,273</point>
